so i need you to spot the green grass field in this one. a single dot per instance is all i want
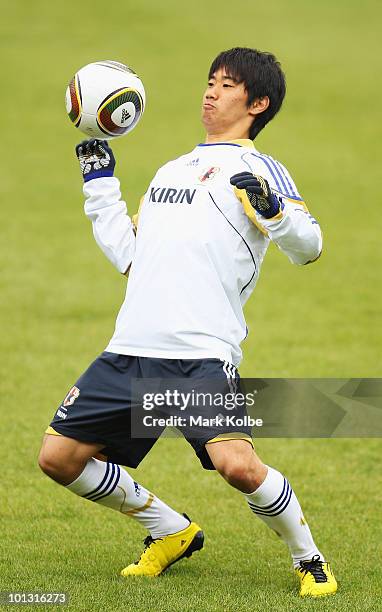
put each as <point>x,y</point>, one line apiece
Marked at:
<point>60,295</point>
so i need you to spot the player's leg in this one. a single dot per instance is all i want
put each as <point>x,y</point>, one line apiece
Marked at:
<point>270,496</point>
<point>72,464</point>
<point>97,408</point>
<point>172,535</point>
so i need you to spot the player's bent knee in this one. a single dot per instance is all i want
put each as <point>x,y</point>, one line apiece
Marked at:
<point>54,467</point>
<point>234,472</point>
<point>58,465</point>
<point>242,475</point>
<point>49,464</point>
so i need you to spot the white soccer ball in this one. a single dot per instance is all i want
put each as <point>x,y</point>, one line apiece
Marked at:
<point>105,99</point>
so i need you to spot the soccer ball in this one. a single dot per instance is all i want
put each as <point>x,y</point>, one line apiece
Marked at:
<point>105,99</point>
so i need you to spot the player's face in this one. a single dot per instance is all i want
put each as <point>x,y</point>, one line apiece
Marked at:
<point>225,106</point>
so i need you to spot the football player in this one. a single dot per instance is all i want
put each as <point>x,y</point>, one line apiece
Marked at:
<point>193,256</point>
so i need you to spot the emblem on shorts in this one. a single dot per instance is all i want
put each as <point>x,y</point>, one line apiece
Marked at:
<point>208,174</point>
<point>71,397</point>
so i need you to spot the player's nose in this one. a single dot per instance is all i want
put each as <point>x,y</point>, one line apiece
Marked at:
<point>212,93</point>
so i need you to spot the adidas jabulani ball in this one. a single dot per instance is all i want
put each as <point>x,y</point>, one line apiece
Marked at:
<point>105,99</point>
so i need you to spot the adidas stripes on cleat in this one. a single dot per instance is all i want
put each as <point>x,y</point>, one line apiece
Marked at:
<point>160,553</point>
<point>316,577</point>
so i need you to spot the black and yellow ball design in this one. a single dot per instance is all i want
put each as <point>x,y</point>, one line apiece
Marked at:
<point>120,111</point>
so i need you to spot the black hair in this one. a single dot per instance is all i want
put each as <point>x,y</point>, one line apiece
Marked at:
<point>262,76</point>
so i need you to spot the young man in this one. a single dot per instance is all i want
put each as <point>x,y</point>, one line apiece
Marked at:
<point>204,226</point>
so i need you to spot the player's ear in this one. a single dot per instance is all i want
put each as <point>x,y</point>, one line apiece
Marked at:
<point>259,106</point>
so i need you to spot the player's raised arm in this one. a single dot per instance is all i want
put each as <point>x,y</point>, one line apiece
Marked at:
<point>112,227</point>
<point>286,221</point>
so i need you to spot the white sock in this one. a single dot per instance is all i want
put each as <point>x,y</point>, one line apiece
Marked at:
<point>276,504</point>
<point>110,485</point>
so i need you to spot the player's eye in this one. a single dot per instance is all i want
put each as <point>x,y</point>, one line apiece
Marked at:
<point>210,84</point>
<point>227,85</point>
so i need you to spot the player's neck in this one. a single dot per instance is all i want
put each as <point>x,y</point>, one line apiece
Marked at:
<point>227,136</point>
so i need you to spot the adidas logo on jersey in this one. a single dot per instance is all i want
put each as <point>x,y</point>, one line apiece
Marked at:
<point>193,162</point>
<point>171,195</point>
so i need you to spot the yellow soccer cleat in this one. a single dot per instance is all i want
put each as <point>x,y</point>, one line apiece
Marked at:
<point>316,577</point>
<point>159,554</point>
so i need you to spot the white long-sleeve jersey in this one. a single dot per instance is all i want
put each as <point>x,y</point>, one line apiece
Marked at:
<point>196,256</point>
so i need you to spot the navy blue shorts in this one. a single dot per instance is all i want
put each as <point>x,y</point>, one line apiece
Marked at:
<point>105,405</point>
